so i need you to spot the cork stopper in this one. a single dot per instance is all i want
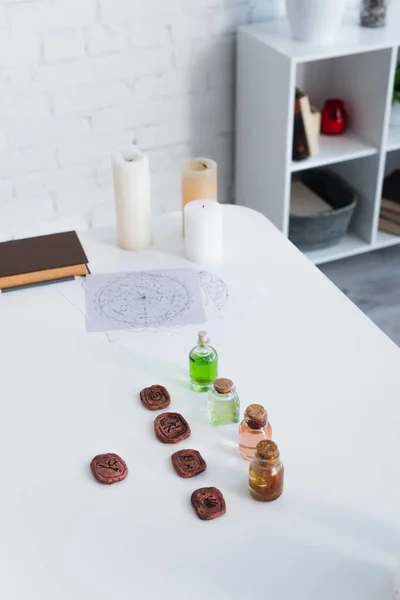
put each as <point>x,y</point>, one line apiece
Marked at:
<point>223,385</point>
<point>256,416</point>
<point>267,450</point>
<point>203,337</point>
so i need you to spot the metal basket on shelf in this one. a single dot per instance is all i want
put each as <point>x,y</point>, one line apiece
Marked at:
<point>324,229</point>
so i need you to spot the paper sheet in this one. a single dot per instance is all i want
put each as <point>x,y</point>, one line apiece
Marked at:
<point>143,300</point>
<point>230,295</point>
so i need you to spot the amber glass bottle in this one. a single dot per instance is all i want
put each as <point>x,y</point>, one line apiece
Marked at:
<point>266,472</point>
<point>253,429</point>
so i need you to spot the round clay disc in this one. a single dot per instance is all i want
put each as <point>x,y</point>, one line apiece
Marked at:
<point>109,468</point>
<point>155,397</point>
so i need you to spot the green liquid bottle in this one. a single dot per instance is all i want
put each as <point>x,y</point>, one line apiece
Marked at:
<point>203,364</point>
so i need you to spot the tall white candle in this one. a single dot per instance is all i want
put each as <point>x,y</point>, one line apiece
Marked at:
<point>131,172</point>
<point>203,231</point>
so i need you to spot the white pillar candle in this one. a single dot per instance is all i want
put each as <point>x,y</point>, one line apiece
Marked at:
<point>131,172</point>
<point>203,231</point>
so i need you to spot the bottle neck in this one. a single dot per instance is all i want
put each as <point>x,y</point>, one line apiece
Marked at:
<point>256,423</point>
<point>271,462</point>
<point>223,395</point>
<point>203,347</point>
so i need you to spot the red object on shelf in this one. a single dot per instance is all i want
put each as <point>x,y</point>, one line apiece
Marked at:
<point>334,118</point>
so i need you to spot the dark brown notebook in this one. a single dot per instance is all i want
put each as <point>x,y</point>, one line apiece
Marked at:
<point>39,259</point>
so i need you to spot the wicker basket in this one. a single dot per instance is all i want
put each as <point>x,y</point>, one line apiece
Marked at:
<point>324,229</point>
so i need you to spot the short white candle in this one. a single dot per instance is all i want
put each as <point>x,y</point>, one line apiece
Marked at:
<point>203,231</point>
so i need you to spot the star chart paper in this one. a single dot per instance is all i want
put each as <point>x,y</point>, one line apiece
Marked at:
<point>143,300</point>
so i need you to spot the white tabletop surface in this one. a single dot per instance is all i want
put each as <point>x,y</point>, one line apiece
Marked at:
<point>329,380</point>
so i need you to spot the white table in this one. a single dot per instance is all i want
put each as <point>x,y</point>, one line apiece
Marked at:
<point>327,376</point>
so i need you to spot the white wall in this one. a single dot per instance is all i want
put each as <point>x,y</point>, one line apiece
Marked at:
<point>78,78</point>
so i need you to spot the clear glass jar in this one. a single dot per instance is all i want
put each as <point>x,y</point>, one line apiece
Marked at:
<point>203,364</point>
<point>373,13</point>
<point>223,403</point>
<point>266,472</point>
<point>253,429</point>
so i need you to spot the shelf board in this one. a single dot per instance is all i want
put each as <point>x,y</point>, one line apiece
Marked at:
<point>383,240</point>
<point>351,39</point>
<point>393,141</point>
<point>350,245</point>
<point>334,149</point>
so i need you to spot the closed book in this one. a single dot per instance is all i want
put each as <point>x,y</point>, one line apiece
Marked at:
<point>389,226</point>
<point>390,205</point>
<point>41,259</point>
<point>311,122</point>
<point>300,147</point>
<point>316,121</point>
<point>391,187</point>
<point>389,215</point>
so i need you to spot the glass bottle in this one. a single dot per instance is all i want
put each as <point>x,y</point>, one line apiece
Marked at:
<point>223,403</point>
<point>203,364</point>
<point>373,13</point>
<point>253,429</point>
<point>266,472</point>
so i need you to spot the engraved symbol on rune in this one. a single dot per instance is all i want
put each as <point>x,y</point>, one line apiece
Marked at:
<point>171,425</point>
<point>211,502</point>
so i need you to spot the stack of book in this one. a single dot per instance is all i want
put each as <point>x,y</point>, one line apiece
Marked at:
<point>40,260</point>
<point>307,126</point>
<point>389,218</point>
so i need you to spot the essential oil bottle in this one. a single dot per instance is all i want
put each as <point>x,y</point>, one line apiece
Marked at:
<point>223,403</point>
<point>266,472</point>
<point>203,364</point>
<point>253,429</point>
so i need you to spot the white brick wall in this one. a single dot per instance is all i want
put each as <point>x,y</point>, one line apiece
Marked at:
<point>79,78</point>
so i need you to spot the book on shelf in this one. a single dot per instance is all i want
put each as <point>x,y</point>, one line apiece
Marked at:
<point>393,207</point>
<point>389,226</point>
<point>316,124</point>
<point>390,206</point>
<point>300,146</point>
<point>311,123</point>
<point>389,215</point>
<point>391,192</point>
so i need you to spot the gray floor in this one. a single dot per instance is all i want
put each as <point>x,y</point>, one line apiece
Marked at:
<point>372,282</point>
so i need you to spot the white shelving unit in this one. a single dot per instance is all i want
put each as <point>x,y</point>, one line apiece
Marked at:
<point>359,68</point>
